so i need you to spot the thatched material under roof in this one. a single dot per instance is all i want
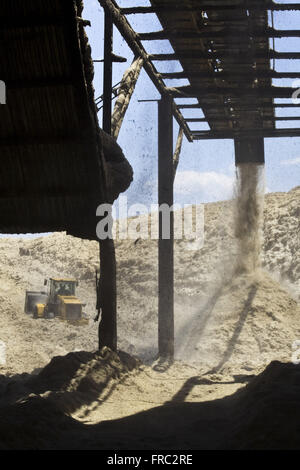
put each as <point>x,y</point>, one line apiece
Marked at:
<point>51,172</point>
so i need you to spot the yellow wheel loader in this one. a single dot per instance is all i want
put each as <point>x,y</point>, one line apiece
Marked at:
<point>60,301</point>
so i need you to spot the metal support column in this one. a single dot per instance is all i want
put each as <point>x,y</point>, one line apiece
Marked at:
<point>108,285</point>
<point>166,243</point>
<point>108,322</point>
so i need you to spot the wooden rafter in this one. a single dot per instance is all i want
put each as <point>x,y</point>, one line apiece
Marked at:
<point>177,152</point>
<point>136,46</point>
<point>229,53</point>
<point>125,93</point>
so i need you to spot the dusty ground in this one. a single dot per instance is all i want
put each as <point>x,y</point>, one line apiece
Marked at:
<point>79,402</point>
<point>228,329</point>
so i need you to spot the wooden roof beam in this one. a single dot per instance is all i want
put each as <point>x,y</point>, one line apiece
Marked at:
<point>136,46</point>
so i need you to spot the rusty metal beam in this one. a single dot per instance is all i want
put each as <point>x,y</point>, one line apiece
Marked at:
<point>208,7</point>
<point>136,46</point>
<point>224,33</point>
<point>204,91</point>
<point>237,117</point>
<point>241,107</point>
<point>231,56</point>
<point>230,134</point>
<point>240,75</point>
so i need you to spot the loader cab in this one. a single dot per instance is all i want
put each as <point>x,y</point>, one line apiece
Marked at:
<point>65,287</point>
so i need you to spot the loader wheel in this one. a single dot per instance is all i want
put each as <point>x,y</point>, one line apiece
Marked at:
<point>35,313</point>
<point>46,313</point>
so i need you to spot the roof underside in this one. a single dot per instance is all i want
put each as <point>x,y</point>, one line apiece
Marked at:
<point>50,172</point>
<point>223,47</point>
<point>234,40</point>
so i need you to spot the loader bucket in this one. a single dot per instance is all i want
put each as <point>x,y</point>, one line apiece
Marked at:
<point>32,298</point>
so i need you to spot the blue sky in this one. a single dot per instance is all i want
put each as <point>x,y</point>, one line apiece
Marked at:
<point>206,169</point>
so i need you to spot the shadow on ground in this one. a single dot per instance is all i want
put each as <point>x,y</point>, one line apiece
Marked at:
<point>263,415</point>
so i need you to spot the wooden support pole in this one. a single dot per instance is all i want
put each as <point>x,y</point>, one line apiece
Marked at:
<point>125,93</point>
<point>166,240</point>
<point>107,76</point>
<point>177,152</point>
<point>137,48</point>
<point>108,286</point>
<point>249,151</point>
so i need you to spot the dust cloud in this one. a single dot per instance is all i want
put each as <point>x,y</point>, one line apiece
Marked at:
<point>231,324</point>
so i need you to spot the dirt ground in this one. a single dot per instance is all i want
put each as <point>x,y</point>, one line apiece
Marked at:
<point>104,401</point>
<point>229,329</point>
